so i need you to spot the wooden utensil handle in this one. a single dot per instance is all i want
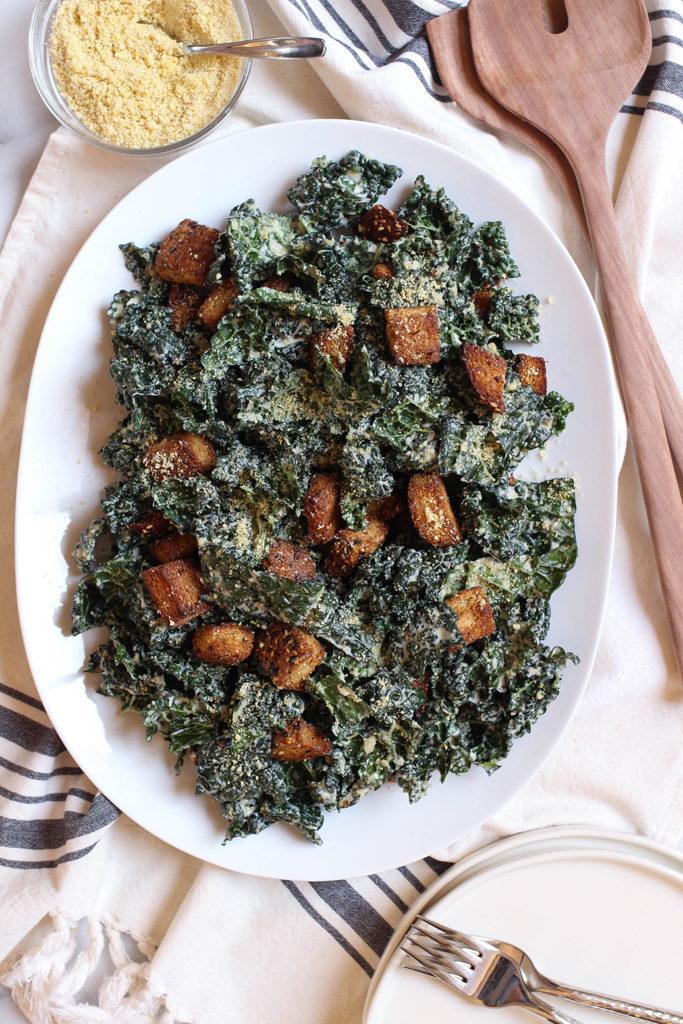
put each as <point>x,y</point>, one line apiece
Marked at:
<point>631,337</point>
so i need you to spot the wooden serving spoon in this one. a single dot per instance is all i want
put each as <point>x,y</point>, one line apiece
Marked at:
<point>571,85</point>
<point>449,38</point>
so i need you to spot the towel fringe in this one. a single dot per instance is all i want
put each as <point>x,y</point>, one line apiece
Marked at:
<point>46,980</point>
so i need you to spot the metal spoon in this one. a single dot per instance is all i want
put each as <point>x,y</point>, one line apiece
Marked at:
<point>279,47</point>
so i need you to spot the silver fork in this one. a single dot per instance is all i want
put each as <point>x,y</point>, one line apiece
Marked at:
<point>474,968</point>
<point>439,944</point>
<point>538,982</point>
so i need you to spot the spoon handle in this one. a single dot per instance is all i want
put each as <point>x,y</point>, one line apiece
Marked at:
<point>278,47</point>
<point>632,336</point>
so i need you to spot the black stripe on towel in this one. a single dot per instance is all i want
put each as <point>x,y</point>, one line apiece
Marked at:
<point>29,773</point>
<point>29,734</point>
<point>20,798</point>
<point>329,928</point>
<point>355,910</point>
<point>25,865</point>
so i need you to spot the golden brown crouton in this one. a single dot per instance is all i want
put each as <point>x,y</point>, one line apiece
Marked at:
<point>486,371</point>
<point>289,562</point>
<point>176,589</point>
<point>299,741</point>
<point>173,546</point>
<point>413,335</point>
<point>430,510</point>
<point>215,305</point>
<point>322,508</point>
<point>336,343</point>
<point>153,524</point>
<point>179,455</point>
<point>383,271</point>
<point>280,282</point>
<point>224,644</point>
<point>531,371</point>
<point>381,225</point>
<point>475,617</point>
<point>349,546</point>
<point>185,255</point>
<point>184,300</point>
<point>482,300</point>
<point>288,655</point>
<point>386,509</point>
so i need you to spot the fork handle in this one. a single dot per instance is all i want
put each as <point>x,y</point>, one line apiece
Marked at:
<point>622,1006</point>
<point>543,1009</point>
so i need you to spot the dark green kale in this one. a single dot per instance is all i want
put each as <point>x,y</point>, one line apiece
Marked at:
<point>402,692</point>
<point>334,192</point>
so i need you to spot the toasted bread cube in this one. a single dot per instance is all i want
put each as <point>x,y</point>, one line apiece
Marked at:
<point>531,371</point>
<point>184,300</point>
<point>185,255</point>
<point>350,546</point>
<point>225,644</point>
<point>475,617</point>
<point>482,300</point>
<point>153,524</point>
<point>336,343</point>
<point>322,508</point>
<point>280,282</point>
<point>413,335</point>
<point>381,225</point>
<point>386,509</point>
<point>176,589</point>
<point>288,655</point>
<point>289,562</point>
<point>382,272</point>
<point>215,305</point>
<point>173,546</point>
<point>299,741</point>
<point>179,455</point>
<point>430,510</point>
<point>486,371</point>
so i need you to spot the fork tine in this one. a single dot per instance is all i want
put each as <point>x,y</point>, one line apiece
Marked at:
<point>433,966</point>
<point>441,958</point>
<point>448,950</point>
<point>451,935</point>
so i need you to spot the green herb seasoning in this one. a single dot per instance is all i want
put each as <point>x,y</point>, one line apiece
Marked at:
<point>321,573</point>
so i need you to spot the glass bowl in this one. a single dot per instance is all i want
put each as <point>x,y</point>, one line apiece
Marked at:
<point>41,70</point>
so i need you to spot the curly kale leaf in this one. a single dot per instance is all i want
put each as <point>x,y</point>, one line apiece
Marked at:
<point>530,526</point>
<point>334,192</point>
<point>140,260</point>
<point>489,259</point>
<point>513,317</point>
<point>436,220</point>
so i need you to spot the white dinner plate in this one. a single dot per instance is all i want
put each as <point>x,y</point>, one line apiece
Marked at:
<point>71,411</point>
<point>595,909</point>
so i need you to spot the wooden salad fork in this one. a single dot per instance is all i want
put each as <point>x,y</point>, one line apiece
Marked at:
<point>449,38</point>
<point>571,85</point>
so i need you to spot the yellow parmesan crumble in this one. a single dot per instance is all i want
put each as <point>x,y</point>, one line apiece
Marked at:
<point>121,67</point>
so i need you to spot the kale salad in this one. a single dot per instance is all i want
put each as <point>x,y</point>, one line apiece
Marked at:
<point>317,571</point>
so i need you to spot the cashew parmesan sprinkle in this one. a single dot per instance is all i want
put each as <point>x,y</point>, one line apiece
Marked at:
<point>120,66</point>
